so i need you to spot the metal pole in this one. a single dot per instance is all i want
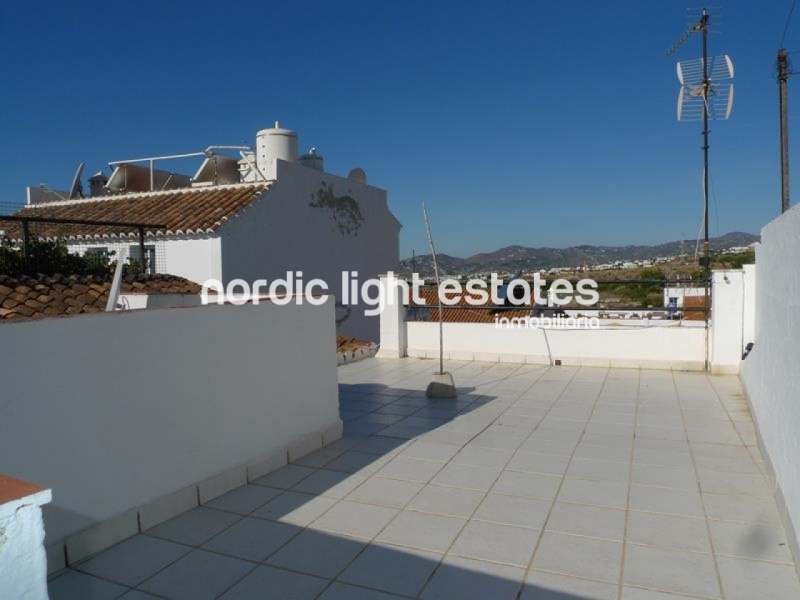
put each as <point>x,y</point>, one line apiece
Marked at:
<point>26,241</point>
<point>438,286</point>
<point>783,77</point>
<point>18,219</point>
<point>706,248</point>
<point>141,250</point>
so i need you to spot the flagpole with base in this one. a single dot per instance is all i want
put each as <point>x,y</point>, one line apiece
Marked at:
<point>442,384</point>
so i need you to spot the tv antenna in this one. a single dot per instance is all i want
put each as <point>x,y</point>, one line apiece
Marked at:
<point>706,93</point>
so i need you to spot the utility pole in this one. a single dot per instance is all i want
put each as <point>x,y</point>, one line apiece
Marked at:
<point>783,77</point>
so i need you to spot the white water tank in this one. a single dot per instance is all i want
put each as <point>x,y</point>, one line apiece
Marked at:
<point>274,144</point>
<point>313,160</point>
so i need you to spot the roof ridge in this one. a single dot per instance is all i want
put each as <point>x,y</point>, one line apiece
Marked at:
<point>186,211</point>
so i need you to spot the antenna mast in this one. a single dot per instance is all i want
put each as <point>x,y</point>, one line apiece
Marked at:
<point>703,24</point>
<point>702,98</point>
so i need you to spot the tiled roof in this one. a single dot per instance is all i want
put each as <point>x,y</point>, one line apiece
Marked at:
<point>34,298</point>
<point>184,211</point>
<point>485,313</point>
<point>345,343</point>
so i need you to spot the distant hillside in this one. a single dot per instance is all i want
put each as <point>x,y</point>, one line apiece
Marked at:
<point>521,258</point>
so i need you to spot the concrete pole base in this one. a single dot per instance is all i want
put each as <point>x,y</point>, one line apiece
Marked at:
<point>442,386</point>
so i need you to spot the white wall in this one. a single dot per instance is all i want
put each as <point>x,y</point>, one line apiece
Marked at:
<point>23,565</point>
<point>675,347</point>
<point>749,310</point>
<point>133,301</point>
<point>771,374</point>
<point>282,232</point>
<point>196,259</point>
<point>624,343</point>
<point>393,330</point>
<point>728,314</point>
<point>114,410</point>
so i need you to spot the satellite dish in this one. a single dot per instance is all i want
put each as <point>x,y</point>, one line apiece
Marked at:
<point>358,174</point>
<point>76,189</point>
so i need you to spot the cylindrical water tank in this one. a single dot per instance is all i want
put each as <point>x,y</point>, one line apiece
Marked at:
<point>275,143</point>
<point>312,160</point>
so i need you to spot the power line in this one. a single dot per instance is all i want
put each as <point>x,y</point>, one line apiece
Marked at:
<point>788,22</point>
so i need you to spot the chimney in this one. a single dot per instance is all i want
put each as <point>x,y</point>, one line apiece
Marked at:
<point>97,184</point>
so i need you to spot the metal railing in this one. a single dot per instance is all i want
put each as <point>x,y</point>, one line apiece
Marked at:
<point>32,244</point>
<point>605,307</point>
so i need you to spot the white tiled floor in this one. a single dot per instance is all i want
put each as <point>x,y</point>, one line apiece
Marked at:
<point>536,483</point>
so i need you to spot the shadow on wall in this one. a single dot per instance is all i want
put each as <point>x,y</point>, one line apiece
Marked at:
<point>259,542</point>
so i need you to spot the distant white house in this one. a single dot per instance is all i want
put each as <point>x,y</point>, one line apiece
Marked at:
<point>673,296</point>
<point>254,218</point>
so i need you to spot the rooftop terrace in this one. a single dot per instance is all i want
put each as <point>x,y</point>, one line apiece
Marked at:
<point>538,482</point>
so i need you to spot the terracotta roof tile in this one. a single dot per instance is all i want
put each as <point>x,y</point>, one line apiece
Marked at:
<point>186,211</point>
<point>345,343</point>
<point>34,298</point>
<point>484,313</point>
<point>14,489</point>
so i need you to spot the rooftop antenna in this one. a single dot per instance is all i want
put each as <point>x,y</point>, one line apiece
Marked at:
<point>702,98</point>
<point>442,385</point>
<point>76,189</point>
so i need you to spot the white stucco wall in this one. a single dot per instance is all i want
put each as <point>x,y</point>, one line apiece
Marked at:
<point>282,232</point>
<point>196,259</point>
<point>134,301</point>
<point>393,330</point>
<point>728,321</point>
<point>631,343</point>
<point>749,310</point>
<point>770,373</point>
<point>676,347</point>
<point>23,564</point>
<point>127,407</point>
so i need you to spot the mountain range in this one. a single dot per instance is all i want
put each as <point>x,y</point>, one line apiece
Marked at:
<point>521,258</point>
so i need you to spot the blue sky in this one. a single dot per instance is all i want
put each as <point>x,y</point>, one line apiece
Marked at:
<point>532,123</point>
